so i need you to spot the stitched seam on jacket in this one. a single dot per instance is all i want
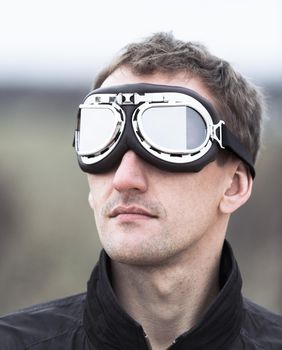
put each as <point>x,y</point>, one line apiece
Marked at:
<point>29,346</point>
<point>249,310</point>
<point>73,299</point>
<point>252,341</point>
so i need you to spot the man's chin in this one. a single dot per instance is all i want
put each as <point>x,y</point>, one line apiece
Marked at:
<point>138,246</point>
<point>138,256</point>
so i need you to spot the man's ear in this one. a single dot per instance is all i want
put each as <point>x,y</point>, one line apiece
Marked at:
<point>238,191</point>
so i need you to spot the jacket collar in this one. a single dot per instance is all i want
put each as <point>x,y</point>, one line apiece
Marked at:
<point>110,327</point>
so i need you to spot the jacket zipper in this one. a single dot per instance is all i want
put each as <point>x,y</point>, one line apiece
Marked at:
<point>147,341</point>
<point>149,346</point>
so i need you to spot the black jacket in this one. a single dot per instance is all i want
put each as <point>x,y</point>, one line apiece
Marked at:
<point>95,320</point>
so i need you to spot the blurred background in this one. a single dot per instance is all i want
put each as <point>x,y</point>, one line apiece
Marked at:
<point>50,54</point>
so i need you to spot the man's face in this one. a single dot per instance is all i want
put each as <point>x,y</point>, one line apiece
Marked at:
<point>147,216</point>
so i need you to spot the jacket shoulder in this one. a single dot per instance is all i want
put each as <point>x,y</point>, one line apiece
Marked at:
<point>41,323</point>
<point>261,327</point>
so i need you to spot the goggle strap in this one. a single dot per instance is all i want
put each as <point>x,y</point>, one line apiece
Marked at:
<point>232,142</point>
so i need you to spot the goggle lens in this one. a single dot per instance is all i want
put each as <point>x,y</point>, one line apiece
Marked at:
<point>97,128</point>
<point>173,129</point>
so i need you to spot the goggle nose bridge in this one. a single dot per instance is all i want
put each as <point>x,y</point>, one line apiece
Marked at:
<point>133,98</point>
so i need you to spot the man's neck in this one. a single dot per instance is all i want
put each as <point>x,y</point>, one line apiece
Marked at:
<point>169,299</point>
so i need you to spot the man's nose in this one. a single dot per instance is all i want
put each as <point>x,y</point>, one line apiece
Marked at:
<point>130,174</point>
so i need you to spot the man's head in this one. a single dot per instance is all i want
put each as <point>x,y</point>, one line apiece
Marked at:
<point>237,101</point>
<point>145,215</point>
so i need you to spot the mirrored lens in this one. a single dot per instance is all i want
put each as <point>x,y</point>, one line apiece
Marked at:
<point>176,127</point>
<point>97,127</point>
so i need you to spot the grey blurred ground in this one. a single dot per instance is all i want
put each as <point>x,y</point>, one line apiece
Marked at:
<point>48,242</point>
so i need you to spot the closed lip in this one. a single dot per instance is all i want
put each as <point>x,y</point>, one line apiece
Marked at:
<point>123,210</point>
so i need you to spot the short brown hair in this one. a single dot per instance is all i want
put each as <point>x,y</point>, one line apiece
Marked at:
<point>239,103</point>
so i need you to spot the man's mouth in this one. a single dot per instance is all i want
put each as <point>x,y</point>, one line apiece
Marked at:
<point>131,211</point>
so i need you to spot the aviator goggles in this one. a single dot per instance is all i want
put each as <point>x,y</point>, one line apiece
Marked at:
<point>172,128</point>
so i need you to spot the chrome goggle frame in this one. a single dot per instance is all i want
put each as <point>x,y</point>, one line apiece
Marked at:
<point>128,104</point>
<point>96,155</point>
<point>213,131</point>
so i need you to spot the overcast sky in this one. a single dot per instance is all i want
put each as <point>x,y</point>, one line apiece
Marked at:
<point>65,42</point>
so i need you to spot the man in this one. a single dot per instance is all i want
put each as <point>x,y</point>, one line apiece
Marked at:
<point>168,138</point>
